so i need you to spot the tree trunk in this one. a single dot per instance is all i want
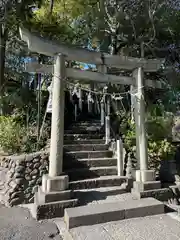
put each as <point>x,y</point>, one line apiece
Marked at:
<point>51,6</point>
<point>3,39</point>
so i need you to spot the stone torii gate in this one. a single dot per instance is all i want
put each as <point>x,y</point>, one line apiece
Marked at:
<point>55,180</point>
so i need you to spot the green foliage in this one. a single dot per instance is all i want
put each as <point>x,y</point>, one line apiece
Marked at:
<point>158,135</point>
<point>159,127</point>
<point>15,137</point>
<point>11,134</point>
<point>65,22</point>
<point>129,134</point>
<point>160,150</point>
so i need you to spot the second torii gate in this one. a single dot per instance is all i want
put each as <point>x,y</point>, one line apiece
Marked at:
<point>55,181</point>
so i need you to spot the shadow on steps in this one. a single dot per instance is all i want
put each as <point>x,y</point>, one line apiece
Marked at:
<point>86,197</point>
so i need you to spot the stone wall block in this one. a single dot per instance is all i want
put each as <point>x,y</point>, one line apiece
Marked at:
<point>10,174</point>
<point>17,194</point>
<point>42,167</point>
<point>36,160</point>
<point>10,164</point>
<point>29,157</point>
<point>13,164</point>
<point>18,160</point>
<point>32,183</point>
<point>28,177</point>
<point>20,181</point>
<point>39,181</point>
<point>29,165</point>
<point>12,184</point>
<point>15,201</point>
<point>28,170</point>
<point>18,175</point>
<point>23,175</point>
<point>28,190</point>
<point>20,169</point>
<point>34,172</point>
<point>37,165</point>
<point>6,165</point>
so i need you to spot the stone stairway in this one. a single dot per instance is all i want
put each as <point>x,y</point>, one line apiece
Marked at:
<point>93,180</point>
<point>92,172</point>
<point>102,195</point>
<point>89,163</point>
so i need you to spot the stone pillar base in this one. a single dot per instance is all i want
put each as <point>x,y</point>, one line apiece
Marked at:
<point>55,184</point>
<point>52,198</point>
<point>150,189</point>
<point>145,186</point>
<point>145,175</point>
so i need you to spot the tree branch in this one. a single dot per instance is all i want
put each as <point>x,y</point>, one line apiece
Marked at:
<point>151,13</point>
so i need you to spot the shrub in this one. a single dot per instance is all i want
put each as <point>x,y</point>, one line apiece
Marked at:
<point>159,138</point>
<point>11,133</point>
<point>15,137</point>
<point>160,150</point>
<point>159,128</point>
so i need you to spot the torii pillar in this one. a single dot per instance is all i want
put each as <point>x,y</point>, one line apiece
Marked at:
<point>145,178</point>
<point>143,174</point>
<point>55,180</point>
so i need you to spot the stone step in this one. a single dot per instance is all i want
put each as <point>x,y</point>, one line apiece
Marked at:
<point>88,122</point>
<point>88,127</point>
<point>94,121</point>
<point>103,181</point>
<point>107,212</point>
<point>102,195</point>
<point>86,147</point>
<point>71,136</point>
<point>89,162</point>
<point>162,194</point>
<point>41,196</point>
<point>89,130</point>
<point>85,173</point>
<point>50,210</point>
<point>98,162</point>
<point>89,154</point>
<point>84,141</point>
<point>108,190</point>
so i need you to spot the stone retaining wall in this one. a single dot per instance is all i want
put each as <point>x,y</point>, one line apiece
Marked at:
<point>20,176</point>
